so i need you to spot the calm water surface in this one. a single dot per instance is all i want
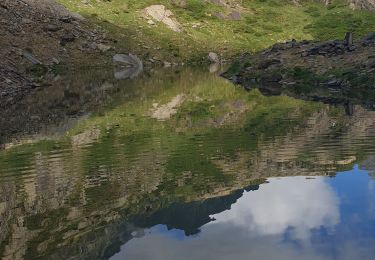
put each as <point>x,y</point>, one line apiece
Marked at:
<point>180,164</point>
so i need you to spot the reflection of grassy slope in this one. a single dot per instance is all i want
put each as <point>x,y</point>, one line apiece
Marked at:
<point>21,157</point>
<point>360,82</point>
<point>191,149</point>
<point>264,23</point>
<point>207,97</point>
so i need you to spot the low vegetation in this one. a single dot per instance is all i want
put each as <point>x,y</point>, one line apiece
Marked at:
<point>206,26</point>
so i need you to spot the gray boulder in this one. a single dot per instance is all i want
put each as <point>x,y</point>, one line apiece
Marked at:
<point>214,57</point>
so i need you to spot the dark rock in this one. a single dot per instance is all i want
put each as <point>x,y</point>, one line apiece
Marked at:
<point>52,28</point>
<point>234,15</point>
<point>331,48</point>
<point>271,89</point>
<point>267,63</point>
<point>219,15</point>
<point>334,83</point>
<point>69,37</point>
<point>349,39</point>
<point>272,78</point>
<point>370,38</point>
<point>31,58</point>
<point>278,47</point>
<point>66,19</point>
<point>351,48</point>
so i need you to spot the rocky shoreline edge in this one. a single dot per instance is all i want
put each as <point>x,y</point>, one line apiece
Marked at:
<point>338,72</point>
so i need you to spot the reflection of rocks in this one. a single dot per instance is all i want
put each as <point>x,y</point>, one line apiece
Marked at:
<point>76,201</point>
<point>128,66</point>
<point>214,67</point>
<point>86,137</point>
<point>55,109</point>
<point>127,73</point>
<point>190,216</point>
<point>167,110</point>
<point>313,141</point>
<point>369,165</point>
<point>32,33</point>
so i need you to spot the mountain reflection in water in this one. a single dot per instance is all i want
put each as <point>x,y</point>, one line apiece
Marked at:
<point>291,217</point>
<point>183,164</point>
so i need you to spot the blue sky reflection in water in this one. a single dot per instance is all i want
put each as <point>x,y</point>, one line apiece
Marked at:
<point>287,218</point>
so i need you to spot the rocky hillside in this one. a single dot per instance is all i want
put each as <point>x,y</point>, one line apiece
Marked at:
<point>188,30</point>
<point>43,36</point>
<point>35,37</point>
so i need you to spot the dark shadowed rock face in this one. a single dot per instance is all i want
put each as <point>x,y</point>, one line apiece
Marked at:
<point>35,36</point>
<point>339,72</point>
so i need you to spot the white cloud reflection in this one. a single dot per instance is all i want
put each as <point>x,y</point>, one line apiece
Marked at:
<point>254,227</point>
<point>290,203</point>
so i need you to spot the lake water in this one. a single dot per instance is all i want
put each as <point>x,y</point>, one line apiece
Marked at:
<point>181,164</point>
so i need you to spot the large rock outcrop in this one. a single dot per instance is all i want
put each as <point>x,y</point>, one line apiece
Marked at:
<point>340,72</point>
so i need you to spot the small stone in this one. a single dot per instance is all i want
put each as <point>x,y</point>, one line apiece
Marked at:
<point>349,39</point>
<point>213,57</point>
<point>103,48</point>
<point>128,60</point>
<point>235,16</point>
<point>55,61</point>
<point>167,64</point>
<point>69,37</point>
<point>151,22</point>
<point>52,28</point>
<point>31,58</point>
<point>334,83</point>
<point>26,20</point>
<point>66,19</point>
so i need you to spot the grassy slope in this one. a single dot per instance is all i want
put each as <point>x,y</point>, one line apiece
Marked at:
<point>264,22</point>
